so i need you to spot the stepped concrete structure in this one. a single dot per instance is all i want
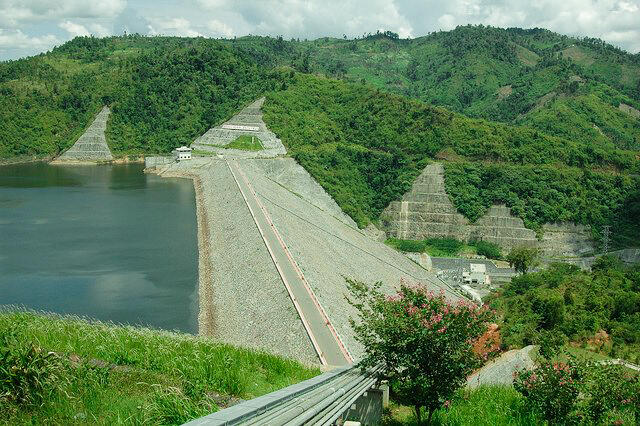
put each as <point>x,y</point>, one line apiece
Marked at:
<point>566,240</point>
<point>426,211</point>
<point>247,122</point>
<point>92,145</point>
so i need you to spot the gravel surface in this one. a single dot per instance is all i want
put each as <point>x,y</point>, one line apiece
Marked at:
<point>249,303</point>
<point>328,249</point>
<point>92,145</point>
<point>249,300</point>
<point>500,371</point>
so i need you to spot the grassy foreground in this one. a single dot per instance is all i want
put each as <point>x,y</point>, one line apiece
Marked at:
<point>489,405</point>
<point>66,370</point>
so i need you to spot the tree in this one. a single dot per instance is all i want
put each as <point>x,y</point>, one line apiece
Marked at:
<point>523,258</point>
<point>422,341</point>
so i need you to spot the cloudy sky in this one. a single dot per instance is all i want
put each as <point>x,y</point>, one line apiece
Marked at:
<point>28,27</point>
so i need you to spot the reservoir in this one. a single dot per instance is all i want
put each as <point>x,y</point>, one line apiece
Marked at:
<point>108,242</point>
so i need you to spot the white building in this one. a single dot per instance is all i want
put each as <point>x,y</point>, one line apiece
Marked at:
<point>182,153</point>
<point>478,274</point>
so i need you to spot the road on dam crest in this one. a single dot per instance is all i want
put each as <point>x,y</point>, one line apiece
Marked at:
<point>326,341</point>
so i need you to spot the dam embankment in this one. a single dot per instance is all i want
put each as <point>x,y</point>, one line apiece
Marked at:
<point>247,298</point>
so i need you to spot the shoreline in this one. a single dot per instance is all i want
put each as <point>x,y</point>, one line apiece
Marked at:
<point>206,311</point>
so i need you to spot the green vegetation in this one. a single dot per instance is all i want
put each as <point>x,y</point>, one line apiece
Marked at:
<point>422,343</point>
<point>522,259</point>
<point>490,405</point>
<point>366,148</point>
<point>246,143</point>
<point>550,193</point>
<point>580,392</point>
<point>599,310</point>
<point>65,370</point>
<point>439,247</point>
<point>558,148</point>
<point>557,84</point>
<point>446,247</point>
<point>164,92</point>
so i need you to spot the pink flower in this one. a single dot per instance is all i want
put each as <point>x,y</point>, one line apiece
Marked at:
<point>447,404</point>
<point>442,330</point>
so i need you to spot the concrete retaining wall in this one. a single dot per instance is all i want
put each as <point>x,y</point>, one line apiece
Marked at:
<point>92,145</point>
<point>426,211</point>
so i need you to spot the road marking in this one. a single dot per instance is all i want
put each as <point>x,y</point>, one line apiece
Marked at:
<point>296,269</point>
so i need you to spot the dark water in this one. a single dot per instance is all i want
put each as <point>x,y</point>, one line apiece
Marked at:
<point>107,242</point>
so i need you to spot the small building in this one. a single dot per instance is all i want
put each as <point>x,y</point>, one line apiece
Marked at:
<point>477,275</point>
<point>182,153</point>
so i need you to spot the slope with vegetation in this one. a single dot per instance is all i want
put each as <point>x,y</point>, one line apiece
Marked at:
<point>557,84</point>
<point>165,92</point>
<point>564,304</point>
<point>366,147</point>
<point>563,152</point>
<point>65,370</point>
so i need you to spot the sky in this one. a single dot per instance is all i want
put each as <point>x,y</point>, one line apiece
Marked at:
<point>28,27</point>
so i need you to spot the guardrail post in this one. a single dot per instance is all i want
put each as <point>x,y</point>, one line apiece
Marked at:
<point>368,409</point>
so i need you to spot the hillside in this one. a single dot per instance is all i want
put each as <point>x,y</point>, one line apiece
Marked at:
<point>165,92</point>
<point>528,118</point>
<point>366,148</point>
<point>558,84</point>
<point>66,370</point>
<point>565,304</point>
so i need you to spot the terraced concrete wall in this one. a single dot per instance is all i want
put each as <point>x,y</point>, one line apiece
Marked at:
<point>92,145</point>
<point>217,138</point>
<point>426,211</point>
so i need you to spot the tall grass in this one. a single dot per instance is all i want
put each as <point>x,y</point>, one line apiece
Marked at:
<point>124,374</point>
<point>488,405</point>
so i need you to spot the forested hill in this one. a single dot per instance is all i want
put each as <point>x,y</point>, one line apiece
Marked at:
<point>528,118</point>
<point>558,84</point>
<point>164,92</point>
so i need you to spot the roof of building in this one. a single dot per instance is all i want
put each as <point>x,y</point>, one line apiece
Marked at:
<point>478,267</point>
<point>183,149</point>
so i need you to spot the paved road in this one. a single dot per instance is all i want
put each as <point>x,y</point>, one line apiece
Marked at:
<point>325,340</point>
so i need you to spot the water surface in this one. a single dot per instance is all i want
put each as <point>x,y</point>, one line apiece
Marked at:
<point>107,242</point>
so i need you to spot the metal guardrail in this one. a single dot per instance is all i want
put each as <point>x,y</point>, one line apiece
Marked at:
<point>317,401</point>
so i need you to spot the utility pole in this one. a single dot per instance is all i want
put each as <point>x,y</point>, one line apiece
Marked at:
<point>606,233</point>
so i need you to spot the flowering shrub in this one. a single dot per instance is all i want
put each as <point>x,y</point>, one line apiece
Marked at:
<point>605,392</point>
<point>551,389</point>
<point>422,341</point>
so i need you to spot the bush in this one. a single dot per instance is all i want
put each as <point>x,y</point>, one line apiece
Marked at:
<point>523,258</point>
<point>488,249</point>
<point>413,246</point>
<point>448,246</point>
<point>28,375</point>
<point>422,342</point>
<point>172,406</point>
<point>551,390</point>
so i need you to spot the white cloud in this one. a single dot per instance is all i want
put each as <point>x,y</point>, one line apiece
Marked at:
<point>447,22</point>
<point>74,29</point>
<point>220,29</point>
<point>13,13</point>
<point>99,30</point>
<point>176,26</point>
<point>18,40</point>
<point>309,19</point>
<point>615,21</point>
